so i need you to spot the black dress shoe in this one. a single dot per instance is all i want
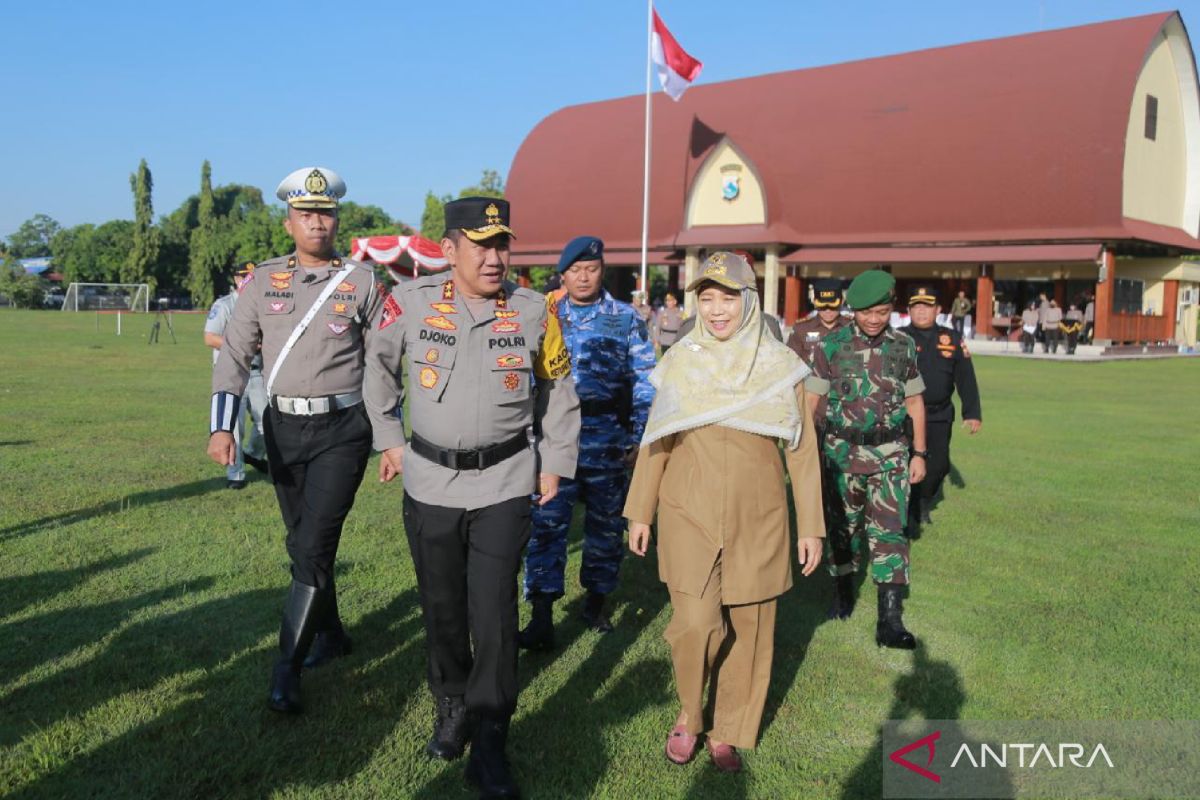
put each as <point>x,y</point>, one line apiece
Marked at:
<point>451,729</point>
<point>236,485</point>
<point>487,769</point>
<point>593,613</point>
<point>285,689</point>
<point>539,633</point>
<point>259,464</point>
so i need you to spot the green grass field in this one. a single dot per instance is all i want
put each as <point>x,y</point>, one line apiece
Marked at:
<point>140,601</point>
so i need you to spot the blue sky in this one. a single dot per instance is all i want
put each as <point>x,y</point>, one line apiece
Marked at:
<point>399,97</point>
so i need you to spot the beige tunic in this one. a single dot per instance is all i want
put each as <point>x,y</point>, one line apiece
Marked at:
<point>719,491</point>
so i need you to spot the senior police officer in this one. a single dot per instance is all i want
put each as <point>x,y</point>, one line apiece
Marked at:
<point>612,357</point>
<point>826,318</point>
<point>868,374</point>
<point>250,448</point>
<point>311,312</point>
<point>495,418</point>
<point>945,365</point>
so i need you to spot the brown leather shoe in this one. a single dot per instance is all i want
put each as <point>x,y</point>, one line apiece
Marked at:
<point>724,757</point>
<point>681,745</point>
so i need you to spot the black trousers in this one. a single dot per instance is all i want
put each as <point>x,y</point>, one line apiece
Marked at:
<point>937,467</point>
<point>466,564</point>
<point>317,464</point>
<point>958,323</point>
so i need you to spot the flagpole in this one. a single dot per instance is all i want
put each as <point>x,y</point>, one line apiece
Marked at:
<point>646,168</point>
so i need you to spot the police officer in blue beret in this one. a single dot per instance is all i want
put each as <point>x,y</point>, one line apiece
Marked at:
<point>612,356</point>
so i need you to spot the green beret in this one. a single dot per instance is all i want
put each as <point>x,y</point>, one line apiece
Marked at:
<point>871,288</point>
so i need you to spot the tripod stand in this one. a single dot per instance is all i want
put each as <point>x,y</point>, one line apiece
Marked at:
<point>159,316</point>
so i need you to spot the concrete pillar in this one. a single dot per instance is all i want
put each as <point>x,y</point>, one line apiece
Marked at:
<point>691,266</point>
<point>771,281</point>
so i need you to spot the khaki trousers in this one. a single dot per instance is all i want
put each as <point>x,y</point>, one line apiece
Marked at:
<point>729,648</point>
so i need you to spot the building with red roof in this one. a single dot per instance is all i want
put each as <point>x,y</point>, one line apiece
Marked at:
<point>1065,162</point>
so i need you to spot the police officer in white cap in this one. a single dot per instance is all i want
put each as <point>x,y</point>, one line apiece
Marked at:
<point>312,312</point>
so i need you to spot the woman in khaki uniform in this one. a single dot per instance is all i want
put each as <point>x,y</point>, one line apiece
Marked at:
<point>727,394</point>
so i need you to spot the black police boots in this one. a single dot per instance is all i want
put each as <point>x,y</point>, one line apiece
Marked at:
<point>331,641</point>
<point>593,613</point>
<point>301,617</point>
<point>843,597</point>
<point>487,768</point>
<point>890,630</point>
<point>539,633</point>
<point>451,728</point>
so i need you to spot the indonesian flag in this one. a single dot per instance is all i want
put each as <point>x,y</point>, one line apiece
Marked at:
<point>676,69</point>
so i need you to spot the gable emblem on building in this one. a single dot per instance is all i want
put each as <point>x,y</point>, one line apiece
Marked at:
<point>731,182</point>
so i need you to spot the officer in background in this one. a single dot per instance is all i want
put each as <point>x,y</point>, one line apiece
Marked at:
<point>312,311</point>
<point>250,448</point>
<point>495,419</point>
<point>868,374</point>
<point>945,365</point>
<point>828,317</point>
<point>612,357</point>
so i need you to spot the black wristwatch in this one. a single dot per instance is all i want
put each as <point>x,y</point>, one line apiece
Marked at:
<point>922,453</point>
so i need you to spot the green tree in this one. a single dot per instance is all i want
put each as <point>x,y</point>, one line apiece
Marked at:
<point>355,221</point>
<point>141,266</point>
<point>32,239</point>
<point>490,185</point>
<point>433,218</point>
<point>72,252</point>
<point>109,246</point>
<point>260,235</point>
<point>208,251</point>
<point>21,288</point>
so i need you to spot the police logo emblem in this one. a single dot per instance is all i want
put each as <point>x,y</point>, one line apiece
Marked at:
<point>432,355</point>
<point>493,214</point>
<point>315,183</point>
<point>429,377</point>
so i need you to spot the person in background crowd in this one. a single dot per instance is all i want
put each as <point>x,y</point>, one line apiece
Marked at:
<point>670,320</point>
<point>1029,327</point>
<point>1051,334</point>
<point>1071,326</point>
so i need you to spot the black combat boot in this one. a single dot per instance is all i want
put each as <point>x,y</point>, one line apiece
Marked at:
<point>593,613</point>
<point>539,633</point>
<point>301,618</point>
<point>843,597</point>
<point>487,768</point>
<point>451,728</point>
<point>890,630</point>
<point>331,641</point>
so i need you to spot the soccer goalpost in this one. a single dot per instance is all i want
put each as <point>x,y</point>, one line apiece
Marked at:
<point>107,297</point>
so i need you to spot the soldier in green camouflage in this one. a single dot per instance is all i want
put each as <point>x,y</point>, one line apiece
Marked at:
<point>867,372</point>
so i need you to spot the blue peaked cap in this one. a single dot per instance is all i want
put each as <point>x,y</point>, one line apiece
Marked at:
<point>581,248</point>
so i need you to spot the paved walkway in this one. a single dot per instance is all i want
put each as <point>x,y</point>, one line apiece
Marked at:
<point>1084,352</point>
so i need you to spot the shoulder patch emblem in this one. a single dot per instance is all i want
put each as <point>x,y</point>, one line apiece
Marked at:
<point>391,312</point>
<point>441,323</point>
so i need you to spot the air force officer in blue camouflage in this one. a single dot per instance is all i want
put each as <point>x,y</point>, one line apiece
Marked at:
<point>612,356</point>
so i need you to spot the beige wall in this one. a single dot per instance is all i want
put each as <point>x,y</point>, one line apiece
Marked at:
<point>1185,326</point>
<point>1158,269</point>
<point>1156,171</point>
<point>706,205</point>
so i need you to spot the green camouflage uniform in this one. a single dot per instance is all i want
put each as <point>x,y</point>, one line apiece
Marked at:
<point>865,452</point>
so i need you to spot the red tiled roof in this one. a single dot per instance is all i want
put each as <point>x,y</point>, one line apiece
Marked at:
<point>1019,138</point>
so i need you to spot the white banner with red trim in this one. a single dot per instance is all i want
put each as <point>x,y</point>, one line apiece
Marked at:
<point>406,257</point>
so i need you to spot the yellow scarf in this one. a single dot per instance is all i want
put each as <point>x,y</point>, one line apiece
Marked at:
<point>747,382</point>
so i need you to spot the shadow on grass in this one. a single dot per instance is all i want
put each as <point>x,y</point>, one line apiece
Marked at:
<point>181,492</point>
<point>956,477</point>
<point>16,442</point>
<point>215,736</point>
<point>932,690</point>
<point>21,591</point>
<point>570,724</point>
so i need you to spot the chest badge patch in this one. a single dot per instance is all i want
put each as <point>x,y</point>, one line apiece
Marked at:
<point>277,307</point>
<point>338,328</point>
<point>282,284</point>
<point>441,323</point>
<point>510,361</point>
<point>346,286</point>
<point>506,327</point>
<point>429,377</point>
<point>511,381</point>
<point>432,355</point>
<point>281,276</point>
<point>444,308</point>
<point>509,314</point>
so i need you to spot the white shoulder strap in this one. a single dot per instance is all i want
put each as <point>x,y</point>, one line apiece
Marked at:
<point>303,324</point>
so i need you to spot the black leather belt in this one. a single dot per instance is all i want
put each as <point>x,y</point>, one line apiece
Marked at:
<point>872,437</point>
<point>594,408</point>
<point>482,458</point>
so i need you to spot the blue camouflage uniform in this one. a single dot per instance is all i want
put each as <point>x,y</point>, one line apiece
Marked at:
<point>611,359</point>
